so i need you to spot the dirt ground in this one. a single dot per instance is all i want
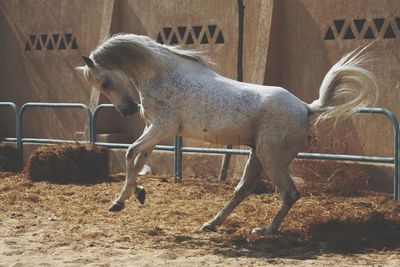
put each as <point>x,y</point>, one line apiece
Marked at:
<point>45,224</point>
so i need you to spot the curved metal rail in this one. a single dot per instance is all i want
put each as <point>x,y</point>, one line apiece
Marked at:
<point>179,149</point>
<point>17,138</point>
<point>21,113</point>
<point>394,160</point>
<point>177,153</point>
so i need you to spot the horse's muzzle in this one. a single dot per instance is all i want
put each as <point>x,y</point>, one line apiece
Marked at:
<point>130,109</point>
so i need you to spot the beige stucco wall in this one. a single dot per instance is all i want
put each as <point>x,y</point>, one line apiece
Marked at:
<point>37,66</point>
<point>304,53</point>
<point>284,44</point>
<point>208,25</point>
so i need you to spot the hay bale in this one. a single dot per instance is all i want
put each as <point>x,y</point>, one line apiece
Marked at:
<point>68,164</point>
<point>8,158</point>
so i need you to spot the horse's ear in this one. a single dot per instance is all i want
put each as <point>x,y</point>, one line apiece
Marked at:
<point>89,62</point>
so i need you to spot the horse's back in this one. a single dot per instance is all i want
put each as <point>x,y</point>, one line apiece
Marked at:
<point>222,110</point>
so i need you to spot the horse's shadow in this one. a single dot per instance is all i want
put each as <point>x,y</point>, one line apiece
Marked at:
<point>374,233</point>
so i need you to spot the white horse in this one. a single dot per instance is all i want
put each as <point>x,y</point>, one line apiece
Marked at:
<point>180,95</point>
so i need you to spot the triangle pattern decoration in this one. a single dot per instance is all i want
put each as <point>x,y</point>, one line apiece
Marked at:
<point>33,39</point>
<point>167,32</point>
<point>369,34</point>
<point>197,31</point>
<point>220,38</point>
<point>27,46</point>
<point>379,23</point>
<point>204,40</point>
<point>44,38</point>
<point>50,41</point>
<point>159,39</point>
<point>182,30</point>
<point>62,46</point>
<point>363,28</point>
<point>174,40</point>
<point>389,33</point>
<point>329,34</point>
<point>349,34</point>
<point>189,35</point>
<point>359,23</point>
<point>397,22</point>
<point>55,38</point>
<point>38,46</point>
<point>74,44</point>
<point>50,45</point>
<point>68,38</point>
<point>211,30</point>
<point>339,25</point>
<point>189,39</point>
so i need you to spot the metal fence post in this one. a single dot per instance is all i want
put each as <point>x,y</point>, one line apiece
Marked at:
<point>17,138</point>
<point>396,160</point>
<point>94,118</point>
<point>21,137</point>
<point>225,165</point>
<point>396,166</point>
<point>20,147</point>
<point>91,132</point>
<point>178,159</point>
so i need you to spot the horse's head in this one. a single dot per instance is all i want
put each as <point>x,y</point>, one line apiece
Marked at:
<point>113,83</point>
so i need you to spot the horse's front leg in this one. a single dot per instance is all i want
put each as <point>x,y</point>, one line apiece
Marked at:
<point>132,169</point>
<point>135,157</point>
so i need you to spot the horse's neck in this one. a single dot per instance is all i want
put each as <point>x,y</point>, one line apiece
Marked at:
<point>142,75</point>
<point>146,73</point>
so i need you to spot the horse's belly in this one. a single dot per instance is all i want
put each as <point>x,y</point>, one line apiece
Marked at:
<point>216,135</point>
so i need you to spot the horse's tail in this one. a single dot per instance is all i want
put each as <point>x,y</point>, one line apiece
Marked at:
<point>346,77</point>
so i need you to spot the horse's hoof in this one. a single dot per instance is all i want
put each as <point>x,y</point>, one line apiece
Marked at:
<point>140,195</point>
<point>116,206</point>
<point>263,231</point>
<point>208,228</point>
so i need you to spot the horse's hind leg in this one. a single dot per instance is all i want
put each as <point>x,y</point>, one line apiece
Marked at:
<point>279,173</point>
<point>245,187</point>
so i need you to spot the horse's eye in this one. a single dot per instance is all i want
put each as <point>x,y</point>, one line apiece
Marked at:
<point>106,84</point>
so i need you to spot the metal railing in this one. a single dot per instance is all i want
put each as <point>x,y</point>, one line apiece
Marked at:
<point>175,148</point>
<point>17,138</point>
<point>28,105</point>
<point>393,160</point>
<point>17,129</point>
<point>179,149</point>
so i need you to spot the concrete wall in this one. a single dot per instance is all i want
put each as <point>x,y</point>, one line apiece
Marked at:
<point>291,43</point>
<point>312,35</point>
<point>198,24</point>
<point>41,42</point>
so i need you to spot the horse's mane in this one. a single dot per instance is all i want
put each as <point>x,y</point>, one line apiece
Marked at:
<point>194,55</point>
<point>123,50</point>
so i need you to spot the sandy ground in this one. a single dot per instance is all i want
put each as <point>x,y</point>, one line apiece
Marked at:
<point>44,224</point>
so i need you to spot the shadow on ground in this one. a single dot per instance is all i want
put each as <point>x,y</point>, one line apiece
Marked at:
<point>374,233</point>
<point>360,235</point>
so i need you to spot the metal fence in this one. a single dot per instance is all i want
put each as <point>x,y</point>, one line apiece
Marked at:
<point>178,147</point>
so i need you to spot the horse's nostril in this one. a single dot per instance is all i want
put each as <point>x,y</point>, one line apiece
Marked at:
<point>124,111</point>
